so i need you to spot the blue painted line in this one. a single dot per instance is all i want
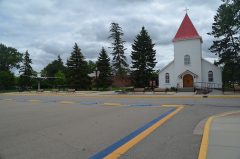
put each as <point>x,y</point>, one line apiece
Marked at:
<point>140,105</point>
<point>89,103</point>
<point>124,140</point>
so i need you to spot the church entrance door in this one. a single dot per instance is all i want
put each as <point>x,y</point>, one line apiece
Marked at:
<point>187,80</point>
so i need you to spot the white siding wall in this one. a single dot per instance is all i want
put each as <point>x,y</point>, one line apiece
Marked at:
<point>172,83</point>
<point>198,65</point>
<point>217,73</point>
<point>193,48</point>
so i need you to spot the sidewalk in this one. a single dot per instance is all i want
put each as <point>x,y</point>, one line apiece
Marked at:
<point>124,95</point>
<point>224,137</point>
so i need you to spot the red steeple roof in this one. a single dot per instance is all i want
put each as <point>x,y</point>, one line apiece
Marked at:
<point>186,31</point>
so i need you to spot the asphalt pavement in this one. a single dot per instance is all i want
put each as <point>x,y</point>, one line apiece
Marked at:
<point>45,126</point>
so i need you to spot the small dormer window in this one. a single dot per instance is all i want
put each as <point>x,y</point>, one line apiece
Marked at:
<point>187,60</point>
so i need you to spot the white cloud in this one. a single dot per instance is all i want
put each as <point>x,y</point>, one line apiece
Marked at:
<point>48,28</point>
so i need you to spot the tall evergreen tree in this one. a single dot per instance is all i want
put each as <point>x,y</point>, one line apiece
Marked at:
<point>119,61</point>
<point>60,64</point>
<point>143,59</point>
<point>77,70</point>
<point>103,64</point>
<point>226,31</point>
<point>26,70</point>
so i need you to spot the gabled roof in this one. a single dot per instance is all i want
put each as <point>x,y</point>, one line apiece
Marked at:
<point>186,30</point>
<point>210,63</point>
<point>166,66</point>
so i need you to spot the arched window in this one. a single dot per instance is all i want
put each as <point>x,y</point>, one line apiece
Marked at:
<point>210,76</point>
<point>187,60</point>
<point>167,79</point>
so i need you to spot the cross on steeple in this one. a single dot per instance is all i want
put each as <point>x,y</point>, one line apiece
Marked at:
<point>186,10</point>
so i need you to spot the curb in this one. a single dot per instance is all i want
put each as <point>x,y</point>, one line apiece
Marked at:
<point>126,96</point>
<point>204,144</point>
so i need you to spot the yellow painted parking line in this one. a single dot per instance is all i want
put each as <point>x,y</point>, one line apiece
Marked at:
<point>67,102</point>
<point>113,104</point>
<point>225,96</point>
<point>124,148</point>
<point>204,144</point>
<point>175,105</point>
<point>34,100</point>
<point>8,99</point>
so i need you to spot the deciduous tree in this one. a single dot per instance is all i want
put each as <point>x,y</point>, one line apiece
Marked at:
<point>9,58</point>
<point>52,68</point>
<point>6,80</point>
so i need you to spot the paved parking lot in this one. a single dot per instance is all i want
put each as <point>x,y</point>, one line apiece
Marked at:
<point>82,127</point>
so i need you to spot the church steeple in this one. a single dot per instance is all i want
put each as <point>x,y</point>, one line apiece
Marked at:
<point>186,31</point>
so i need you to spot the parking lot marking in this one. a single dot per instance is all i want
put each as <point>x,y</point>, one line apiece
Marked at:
<point>122,146</point>
<point>34,100</point>
<point>174,105</point>
<point>113,104</point>
<point>140,105</point>
<point>89,103</point>
<point>66,102</point>
<point>204,144</point>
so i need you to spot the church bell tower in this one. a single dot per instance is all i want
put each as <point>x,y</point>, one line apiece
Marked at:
<point>187,54</point>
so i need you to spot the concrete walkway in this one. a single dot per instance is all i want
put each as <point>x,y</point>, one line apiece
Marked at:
<point>224,137</point>
<point>123,95</point>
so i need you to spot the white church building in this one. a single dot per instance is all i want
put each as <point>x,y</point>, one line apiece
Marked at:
<point>189,69</point>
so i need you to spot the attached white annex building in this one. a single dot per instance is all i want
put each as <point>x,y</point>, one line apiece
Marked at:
<point>189,69</point>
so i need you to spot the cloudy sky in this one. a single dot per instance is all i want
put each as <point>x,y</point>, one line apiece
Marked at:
<point>47,28</point>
